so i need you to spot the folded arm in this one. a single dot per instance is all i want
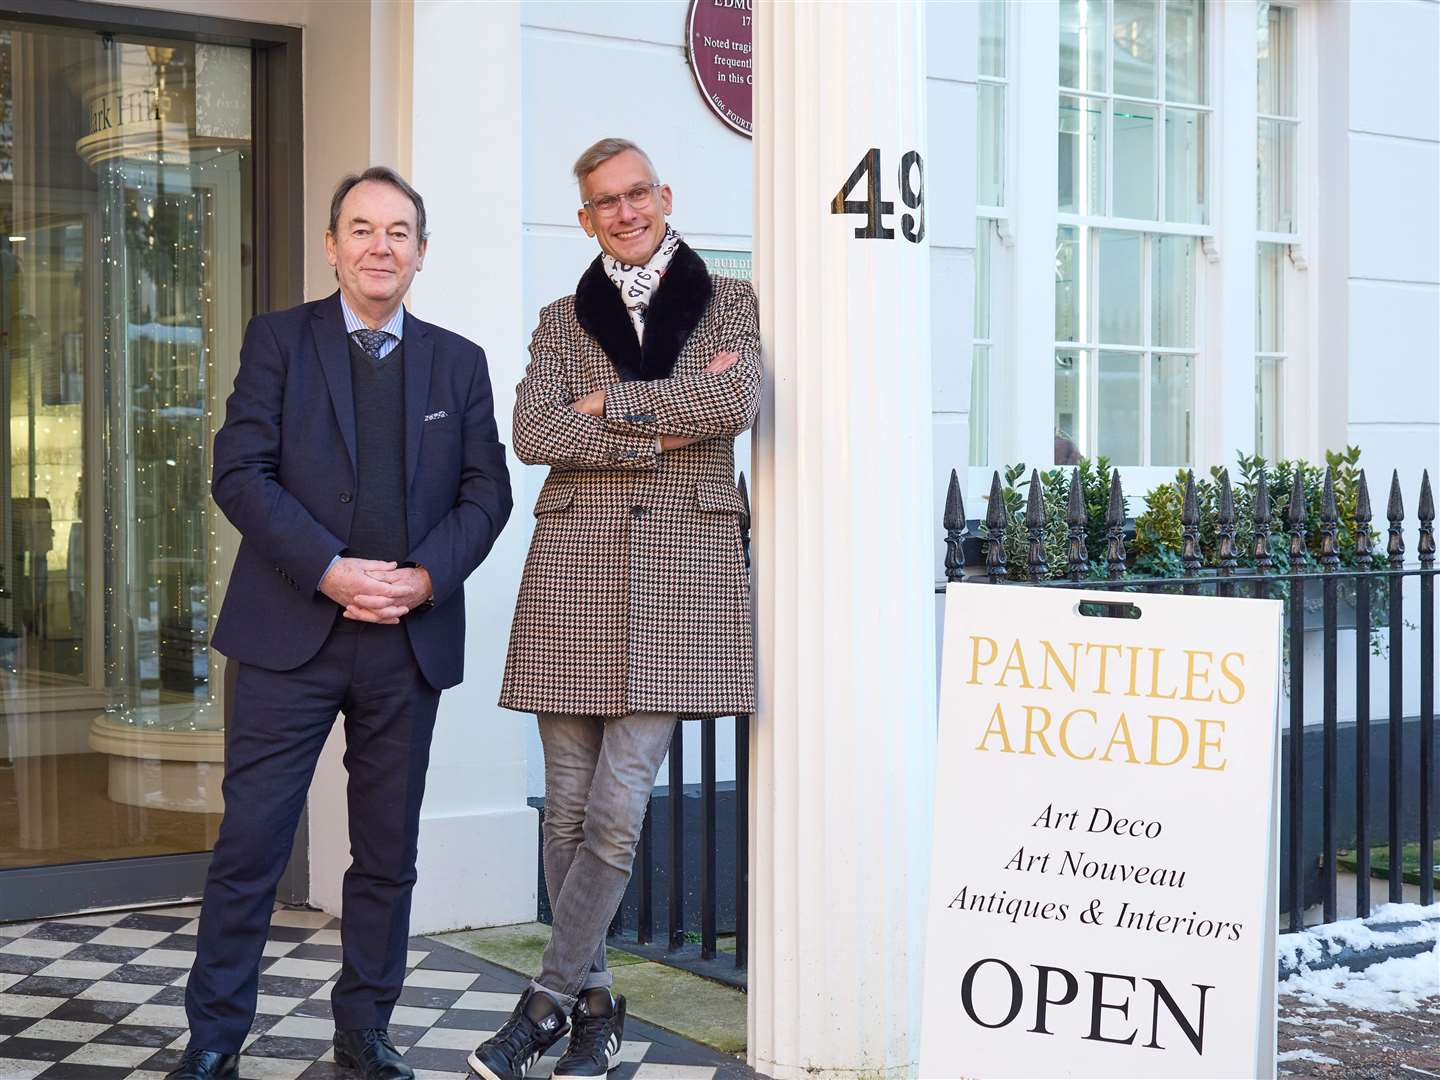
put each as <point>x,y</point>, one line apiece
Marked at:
<point>549,430</point>
<point>709,404</point>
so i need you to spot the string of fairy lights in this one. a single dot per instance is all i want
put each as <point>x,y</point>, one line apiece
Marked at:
<point>157,442</point>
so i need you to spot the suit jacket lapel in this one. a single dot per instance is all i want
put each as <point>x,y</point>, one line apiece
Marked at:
<point>419,356</point>
<point>334,348</point>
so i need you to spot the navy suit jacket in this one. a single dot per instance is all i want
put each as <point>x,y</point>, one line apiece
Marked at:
<point>285,476</point>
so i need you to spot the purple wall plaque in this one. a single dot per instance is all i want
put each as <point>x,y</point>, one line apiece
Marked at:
<point>721,59</point>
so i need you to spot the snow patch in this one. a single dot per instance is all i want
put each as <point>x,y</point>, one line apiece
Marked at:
<point>1305,1055</point>
<point>1353,1023</point>
<point>1398,985</point>
<point>1304,948</point>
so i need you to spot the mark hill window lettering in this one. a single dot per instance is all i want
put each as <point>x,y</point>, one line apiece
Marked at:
<point>130,107</point>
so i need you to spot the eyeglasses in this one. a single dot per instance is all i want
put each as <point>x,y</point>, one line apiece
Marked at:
<point>638,197</point>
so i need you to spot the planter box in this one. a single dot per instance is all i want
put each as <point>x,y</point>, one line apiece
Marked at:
<point>1315,609</point>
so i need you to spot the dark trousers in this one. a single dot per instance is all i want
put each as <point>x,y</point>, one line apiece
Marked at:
<point>279,724</point>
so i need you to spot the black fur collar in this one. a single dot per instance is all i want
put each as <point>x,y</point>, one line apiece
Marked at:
<point>676,310</point>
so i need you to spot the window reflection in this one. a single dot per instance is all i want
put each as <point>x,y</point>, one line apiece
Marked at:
<point>125,279</point>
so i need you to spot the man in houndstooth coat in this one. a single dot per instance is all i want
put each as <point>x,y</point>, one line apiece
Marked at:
<point>634,606</point>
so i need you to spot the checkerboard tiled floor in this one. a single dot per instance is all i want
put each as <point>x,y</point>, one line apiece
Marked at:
<point>102,997</point>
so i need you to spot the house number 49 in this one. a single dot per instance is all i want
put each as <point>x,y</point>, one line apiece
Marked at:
<point>875,209</point>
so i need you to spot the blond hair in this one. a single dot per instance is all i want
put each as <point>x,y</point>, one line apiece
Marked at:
<point>602,152</point>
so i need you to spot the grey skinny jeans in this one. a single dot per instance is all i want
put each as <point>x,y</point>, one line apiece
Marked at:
<point>598,779</point>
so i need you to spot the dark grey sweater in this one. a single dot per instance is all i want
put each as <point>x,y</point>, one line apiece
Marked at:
<point>378,530</point>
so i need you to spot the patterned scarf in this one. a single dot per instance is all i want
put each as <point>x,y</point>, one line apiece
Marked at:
<point>637,284</point>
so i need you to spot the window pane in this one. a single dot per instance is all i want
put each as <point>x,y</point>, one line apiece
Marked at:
<point>1277,176</point>
<point>1082,155</point>
<point>1070,382</point>
<point>1186,133</point>
<point>1276,50</point>
<point>1185,51</point>
<point>980,406</point>
<point>1134,169</point>
<point>992,37</point>
<point>1172,292</point>
<point>1117,420</point>
<point>1071,296</point>
<point>1270,299</point>
<point>982,279</point>
<point>1135,48</point>
<point>1172,409</point>
<point>990,183</point>
<point>1119,273</point>
<point>1082,44</point>
<point>1269,381</point>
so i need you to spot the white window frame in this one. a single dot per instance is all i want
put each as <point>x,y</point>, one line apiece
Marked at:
<point>1299,433</point>
<point>1160,105</point>
<point>1022,373</point>
<point>1002,377</point>
<point>1005,82</point>
<point>1147,475</point>
<point>1146,349</point>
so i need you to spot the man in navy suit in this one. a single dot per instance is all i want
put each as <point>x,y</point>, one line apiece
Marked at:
<point>361,464</point>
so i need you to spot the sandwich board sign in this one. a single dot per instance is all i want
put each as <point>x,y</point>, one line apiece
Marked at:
<point>1103,880</point>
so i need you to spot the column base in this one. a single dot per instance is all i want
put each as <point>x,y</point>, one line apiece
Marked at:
<point>476,870</point>
<point>777,1071</point>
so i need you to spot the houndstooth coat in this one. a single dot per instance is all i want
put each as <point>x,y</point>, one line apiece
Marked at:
<point>635,596</point>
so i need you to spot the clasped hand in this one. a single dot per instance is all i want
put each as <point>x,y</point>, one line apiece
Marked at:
<point>374,591</point>
<point>593,403</point>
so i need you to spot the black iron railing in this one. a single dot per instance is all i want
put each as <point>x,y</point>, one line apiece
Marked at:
<point>1408,781</point>
<point>693,851</point>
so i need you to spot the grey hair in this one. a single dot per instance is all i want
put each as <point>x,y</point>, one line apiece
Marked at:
<point>602,152</point>
<point>381,174</point>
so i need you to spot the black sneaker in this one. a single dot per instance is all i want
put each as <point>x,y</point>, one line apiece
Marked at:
<point>537,1024</point>
<point>597,1030</point>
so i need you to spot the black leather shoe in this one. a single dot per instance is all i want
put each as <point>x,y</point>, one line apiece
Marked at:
<point>206,1065</point>
<point>370,1053</point>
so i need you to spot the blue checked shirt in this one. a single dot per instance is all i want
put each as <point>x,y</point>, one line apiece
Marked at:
<point>395,327</point>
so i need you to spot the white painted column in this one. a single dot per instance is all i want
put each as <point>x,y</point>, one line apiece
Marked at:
<point>841,754</point>
<point>478,836</point>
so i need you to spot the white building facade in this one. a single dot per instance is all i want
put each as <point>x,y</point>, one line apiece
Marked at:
<point>1163,232</point>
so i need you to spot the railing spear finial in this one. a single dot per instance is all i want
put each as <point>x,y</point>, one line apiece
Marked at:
<point>744,519</point>
<point>1226,560</point>
<point>1115,530</point>
<point>997,517</point>
<point>1395,512</point>
<point>1190,528</point>
<point>1329,526</point>
<point>1035,528</point>
<point>1425,547</point>
<point>955,530</point>
<point>1295,519</point>
<point>1077,556</point>
<point>1363,557</point>
<point>1264,560</point>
